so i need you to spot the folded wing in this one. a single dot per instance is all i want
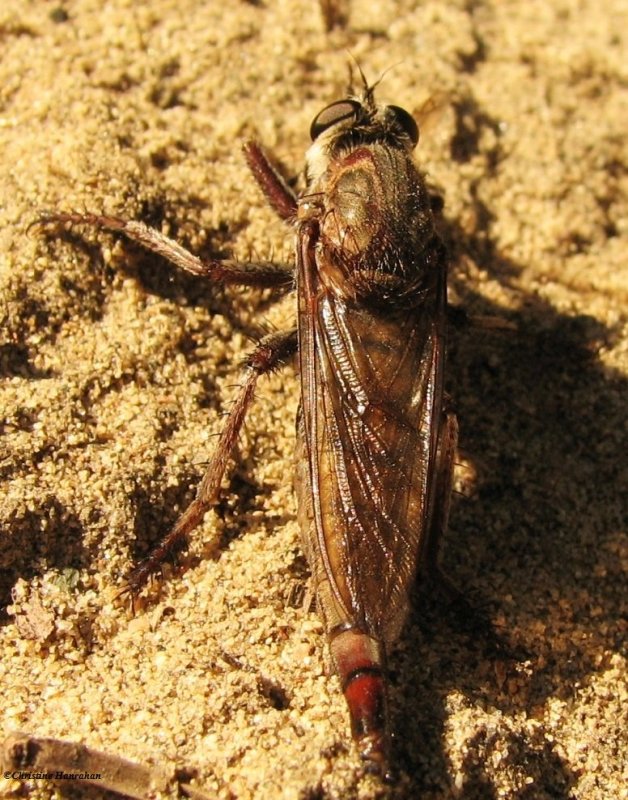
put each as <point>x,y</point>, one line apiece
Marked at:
<point>372,394</point>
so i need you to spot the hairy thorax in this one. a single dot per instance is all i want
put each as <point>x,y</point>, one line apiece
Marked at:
<point>376,227</point>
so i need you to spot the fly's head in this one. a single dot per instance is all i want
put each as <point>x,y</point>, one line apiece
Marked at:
<point>369,200</point>
<point>346,124</point>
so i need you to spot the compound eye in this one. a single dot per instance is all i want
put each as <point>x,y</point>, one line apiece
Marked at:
<point>406,122</point>
<point>333,114</point>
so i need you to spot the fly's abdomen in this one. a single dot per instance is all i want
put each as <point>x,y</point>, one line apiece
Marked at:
<point>360,663</point>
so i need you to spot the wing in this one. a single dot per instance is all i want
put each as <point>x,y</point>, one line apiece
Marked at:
<point>371,399</point>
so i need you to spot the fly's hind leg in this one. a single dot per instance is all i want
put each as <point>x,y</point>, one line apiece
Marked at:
<point>445,463</point>
<point>466,615</point>
<point>445,459</point>
<point>270,353</point>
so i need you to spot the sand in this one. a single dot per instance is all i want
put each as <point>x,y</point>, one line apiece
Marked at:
<point>115,372</point>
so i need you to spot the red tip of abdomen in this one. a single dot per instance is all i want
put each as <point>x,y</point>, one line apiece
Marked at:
<point>359,661</point>
<point>365,692</point>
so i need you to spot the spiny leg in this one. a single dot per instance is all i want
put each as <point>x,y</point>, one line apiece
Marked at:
<point>270,353</point>
<point>263,274</point>
<point>447,442</point>
<point>279,195</point>
<point>445,460</point>
<point>466,615</point>
<point>456,600</point>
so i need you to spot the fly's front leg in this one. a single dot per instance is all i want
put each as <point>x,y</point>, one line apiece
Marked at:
<point>280,196</point>
<point>263,274</point>
<point>270,353</point>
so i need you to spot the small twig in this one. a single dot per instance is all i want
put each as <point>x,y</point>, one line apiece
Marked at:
<point>27,757</point>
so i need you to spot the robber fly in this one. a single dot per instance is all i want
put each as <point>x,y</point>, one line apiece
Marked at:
<point>375,440</point>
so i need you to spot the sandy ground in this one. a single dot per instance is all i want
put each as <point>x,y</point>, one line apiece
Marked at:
<point>115,372</point>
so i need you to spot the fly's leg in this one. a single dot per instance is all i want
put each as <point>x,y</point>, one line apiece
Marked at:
<point>459,319</point>
<point>466,615</point>
<point>445,458</point>
<point>270,353</point>
<point>263,274</point>
<point>279,195</point>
